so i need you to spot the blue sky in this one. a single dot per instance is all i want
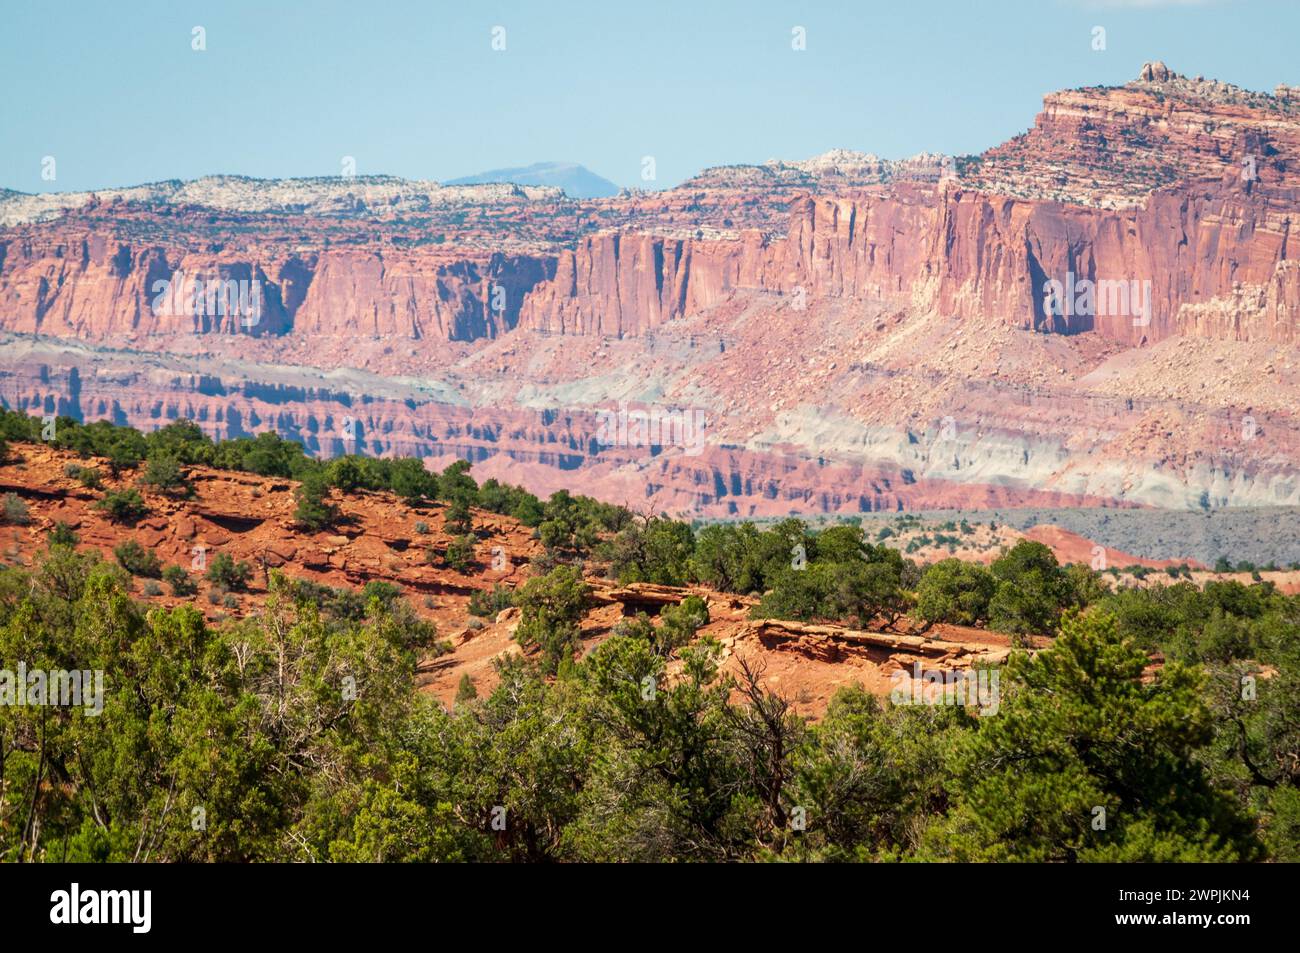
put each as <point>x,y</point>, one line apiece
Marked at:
<point>117,95</point>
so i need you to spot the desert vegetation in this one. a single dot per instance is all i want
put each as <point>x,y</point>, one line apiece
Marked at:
<point>1134,723</point>
<point>297,733</point>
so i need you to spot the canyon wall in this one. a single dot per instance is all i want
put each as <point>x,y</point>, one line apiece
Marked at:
<point>969,255</point>
<point>1186,186</point>
<point>66,283</point>
<point>1215,259</point>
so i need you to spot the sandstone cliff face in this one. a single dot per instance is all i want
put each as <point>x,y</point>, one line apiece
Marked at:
<point>89,287</point>
<point>966,254</point>
<point>414,297</point>
<point>1186,188</point>
<point>621,285</point>
<point>1192,246</point>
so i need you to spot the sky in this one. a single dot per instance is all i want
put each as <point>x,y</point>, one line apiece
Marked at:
<point>117,94</point>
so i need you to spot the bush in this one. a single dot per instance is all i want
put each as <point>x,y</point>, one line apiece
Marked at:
<point>636,627</point>
<point>422,528</point>
<point>488,604</point>
<point>62,534</point>
<point>569,525</point>
<point>1083,586</point>
<point>528,511</point>
<point>858,589</point>
<point>386,592</point>
<point>724,557</point>
<point>312,511</point>
<point>550,608</point>
<point>459,519</point>
<point>137,560</point>
<point>1082,727</point>
<point>346,473</point>
<point>181,440</point>
<point>15,510</point>
<point>956,592</point>
<point>164,474</point>
<point>151,588</point>
<point>465,690</point>
<point>123,506</point>
<point>180,581</point>
<point>660,552</point>
<point>1032,591</point>
<point>125,453</point>
<point>456,483</point>
<point>460,553</point>
<point>90,478</point>
<point>679,623</point>
<point>225,572</point>
<point>409,479</point>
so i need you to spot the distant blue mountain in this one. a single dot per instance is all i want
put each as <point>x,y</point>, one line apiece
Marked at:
<point>577,181</point>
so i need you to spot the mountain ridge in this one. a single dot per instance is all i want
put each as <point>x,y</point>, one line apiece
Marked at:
<point>576,180</point>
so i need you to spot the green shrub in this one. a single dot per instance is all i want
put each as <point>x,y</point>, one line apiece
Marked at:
<point>678,624</point>
<point>465,690</point>
<point>550,608</point>
<point>488,604</point>
<point>956,592</point>
<point>346,473</point>
<point>123,506</point>
<point>410,480</point>
<point>857,590</point>
<point>313,511</point>
<point>137,560</point>
<point>224,571</point>
<point>460,553</point>
<point>165,474</point>
<point>62,534</point>
<point>179,580</point>
<point>1032,590</point>
<point>91,478</point>
<point>125,453</point>
<point>660,552</point>
<point>459,519</point>
<point>528,510</point>
<point>15,510</point>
